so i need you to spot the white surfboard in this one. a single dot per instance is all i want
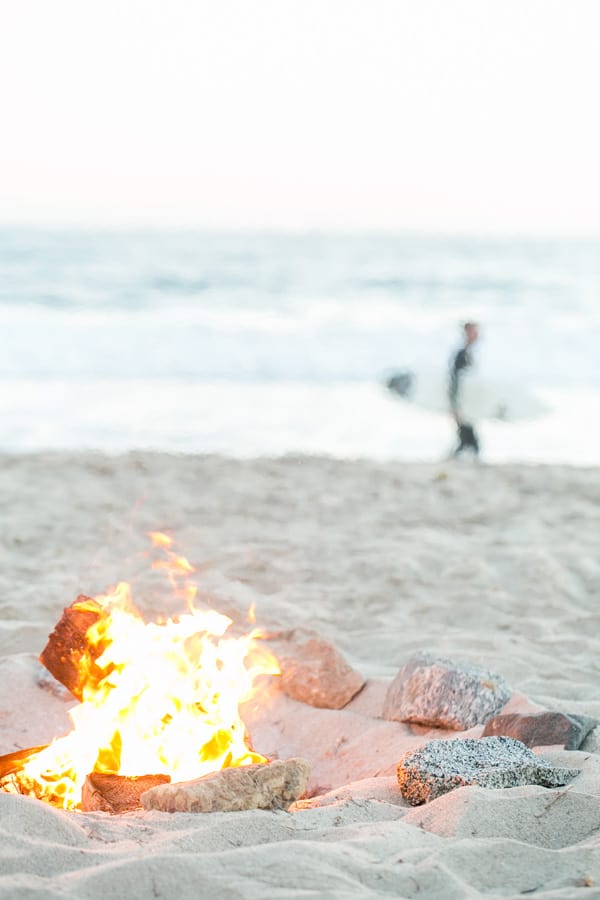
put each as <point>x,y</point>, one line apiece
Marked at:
<point>479,398</point>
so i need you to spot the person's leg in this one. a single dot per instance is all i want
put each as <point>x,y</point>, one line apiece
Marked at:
<point>467,439</point>
<point>461,440</point>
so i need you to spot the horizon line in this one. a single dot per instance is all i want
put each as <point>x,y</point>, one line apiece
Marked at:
<point>305,231</point>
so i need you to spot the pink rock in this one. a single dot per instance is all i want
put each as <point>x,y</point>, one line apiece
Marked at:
<point>312,670</point>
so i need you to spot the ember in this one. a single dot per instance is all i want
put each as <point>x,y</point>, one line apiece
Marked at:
<point>155,698</point>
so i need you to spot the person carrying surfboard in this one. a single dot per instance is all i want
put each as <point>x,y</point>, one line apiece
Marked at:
<point>461,361</point>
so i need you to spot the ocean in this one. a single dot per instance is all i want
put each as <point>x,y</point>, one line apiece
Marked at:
<point>252,344</point>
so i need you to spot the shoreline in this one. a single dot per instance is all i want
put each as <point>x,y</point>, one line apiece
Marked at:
<point>291,456</point>
<point>348,420</point>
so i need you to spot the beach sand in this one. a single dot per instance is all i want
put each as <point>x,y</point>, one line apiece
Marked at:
<point>495,565</point>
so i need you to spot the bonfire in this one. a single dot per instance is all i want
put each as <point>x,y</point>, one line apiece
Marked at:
<point>159,701</point>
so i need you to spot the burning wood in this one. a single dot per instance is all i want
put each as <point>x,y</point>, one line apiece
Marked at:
<point>154,697</point>
<point>12,762</point>
<point>116,793</point>
<point>101,792</point>
<point>273,786</point>
<point>11,765</point>
<point>69,655</point>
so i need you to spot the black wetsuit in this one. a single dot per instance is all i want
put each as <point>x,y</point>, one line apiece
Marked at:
<point>467,438</point>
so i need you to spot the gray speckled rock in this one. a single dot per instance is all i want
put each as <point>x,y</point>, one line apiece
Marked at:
<point>491,762</point>
<point>432,690</point>
<point>543,729</point>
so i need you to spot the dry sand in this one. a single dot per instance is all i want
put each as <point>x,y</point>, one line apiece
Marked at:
<point>492,565</point>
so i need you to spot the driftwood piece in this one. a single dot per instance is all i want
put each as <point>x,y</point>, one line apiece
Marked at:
<point>274,785</point>
<point>11,777</point>
<point>68,655</point>
<point>116,793</point>
<point>13,762</point>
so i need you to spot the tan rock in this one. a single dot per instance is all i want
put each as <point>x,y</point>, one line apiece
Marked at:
<point>274,785</point>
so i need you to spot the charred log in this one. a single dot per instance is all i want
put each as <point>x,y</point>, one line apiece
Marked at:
<point>69,655</point>
<point>14,762</point>
<point>116,793</point>
<point>11,766</point>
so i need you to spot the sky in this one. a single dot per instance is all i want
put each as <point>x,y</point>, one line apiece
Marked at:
<point>460,116</point>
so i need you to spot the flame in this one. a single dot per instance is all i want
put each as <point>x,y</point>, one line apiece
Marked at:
<point>160,540</point>
<point>175,566</point>
<point>163,700</point>
<point>178,565</point>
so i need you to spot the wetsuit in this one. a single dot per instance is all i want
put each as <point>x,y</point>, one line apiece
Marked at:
<point>467,438</point>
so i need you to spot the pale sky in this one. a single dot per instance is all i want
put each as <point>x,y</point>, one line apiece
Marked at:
<point>426,115</point>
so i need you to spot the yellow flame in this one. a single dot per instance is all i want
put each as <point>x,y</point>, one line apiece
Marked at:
<point>165,701</point>
<point>175,566</point>
<point>159,539</point>
<point>178,565</point>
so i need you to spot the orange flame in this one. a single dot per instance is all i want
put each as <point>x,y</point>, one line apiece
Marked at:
<point>175,565</point>
<point>165,702</point>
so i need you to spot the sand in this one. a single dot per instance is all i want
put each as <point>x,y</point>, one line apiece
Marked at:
<point>497,566</point>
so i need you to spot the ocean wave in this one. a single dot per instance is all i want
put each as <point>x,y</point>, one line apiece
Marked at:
<point>313,308</point>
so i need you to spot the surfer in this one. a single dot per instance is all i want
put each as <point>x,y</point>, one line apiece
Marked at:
<point>461,361</point>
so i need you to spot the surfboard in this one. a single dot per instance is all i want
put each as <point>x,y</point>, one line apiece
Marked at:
<point>480,398</point>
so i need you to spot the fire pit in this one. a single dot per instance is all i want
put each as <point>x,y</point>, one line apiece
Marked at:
<point>159,701</point>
